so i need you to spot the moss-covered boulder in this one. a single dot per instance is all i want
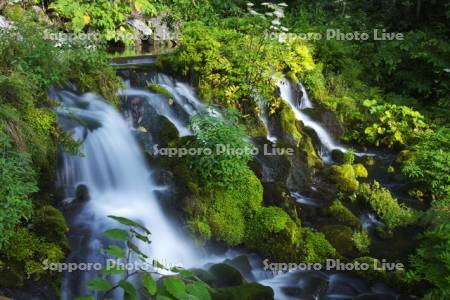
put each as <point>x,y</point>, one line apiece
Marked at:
<point>166,133</point>
<point>341,237</point>
<point>360,171</point>
<point>159,89</point>
<point>226,275</point>
<point>343,215</point>
<point>50,223</point>
<point>344,177</point>
<point>248,291</point>
<point>272,232</point>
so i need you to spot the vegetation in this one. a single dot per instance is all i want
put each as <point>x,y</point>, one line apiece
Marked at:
<point>390,95</point>
<point>391,213</point>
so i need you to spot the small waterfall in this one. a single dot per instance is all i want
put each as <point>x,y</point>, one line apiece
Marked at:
<point>305,101</point>
<point>179,108</point>
<point>118,180</point>
<point>264,117</point>
<point>326,140</point>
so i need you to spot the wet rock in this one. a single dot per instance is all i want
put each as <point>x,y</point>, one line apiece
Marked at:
<point>163,177</point>
<point>140,26</point>
<point>82,194</point>
<point>226,275</point>
<point>248,291</point>
<point>242,264</point>
<point>338,156</point>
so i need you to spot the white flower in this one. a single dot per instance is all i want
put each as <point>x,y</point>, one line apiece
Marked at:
<point>250,4</point>
<point>284,28</point>
<point>282,4</point>
<point>276,22</point>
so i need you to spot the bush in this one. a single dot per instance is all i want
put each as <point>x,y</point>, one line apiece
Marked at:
<point>391,213</point>
<point>222,167</point>
<point>428,166</point>
<point>17,183</point>
<point>361,240</point>
<point>345,178</point>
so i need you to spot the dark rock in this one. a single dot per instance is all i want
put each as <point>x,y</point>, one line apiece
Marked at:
<point>337,156</point>
<point>82,194</point>
<point>242,264</point>
<point>248,291</point>
<point>226,275</point>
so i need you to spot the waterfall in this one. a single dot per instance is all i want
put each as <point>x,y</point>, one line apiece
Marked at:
<point>326,140</point>
<point>113,168</point>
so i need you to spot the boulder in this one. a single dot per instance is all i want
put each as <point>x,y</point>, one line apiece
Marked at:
<point>340,236</point>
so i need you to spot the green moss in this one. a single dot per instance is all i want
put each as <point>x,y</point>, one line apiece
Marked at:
<point>288,124</point>
<point>391,213</point>
<point>343,214</point>
<point>272,232</point>
<point>200,230</point>
<point>360,171</point>
<point>341,237</point>
<point>49,223</point>
<point>255,128</point>
<point>345,178</point>
<point>159,89</point>
<point>362,240</point>
<point>314,247</point>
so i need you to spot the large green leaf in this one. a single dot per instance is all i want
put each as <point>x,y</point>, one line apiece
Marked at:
<point>175,287</point>
<point>129,290</point>
<point>149,284</point>
<point>136,250</point>
<point>129,222</point>
<point>98,284</point>
<point>116,251</point>
<point>199,290</point>
<point>113,270</point>
<point>116,234</point>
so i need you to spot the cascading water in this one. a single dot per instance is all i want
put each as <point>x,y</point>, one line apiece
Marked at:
<point>115,172</point>
<point>326,140</point>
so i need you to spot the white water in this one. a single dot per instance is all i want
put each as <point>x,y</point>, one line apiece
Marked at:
<point>118,178</point>
<point>186,103</point>
<point>325,138</point>
<point>265,119</point>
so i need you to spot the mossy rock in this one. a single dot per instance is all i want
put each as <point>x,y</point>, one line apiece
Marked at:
<point>255,128</point>
<point>159,89</point>
<point>360,171</point>
<point>248,291</point>
<point>272,232</point>
<point>49,223</point>
<point>340,236</point>
<point>226,275</point>
<point>392,278</point>
<point>343,215</point>
<point>167,132</point>
<point>344,177</point>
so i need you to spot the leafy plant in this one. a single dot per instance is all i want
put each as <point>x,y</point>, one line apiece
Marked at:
<point>182,284</point>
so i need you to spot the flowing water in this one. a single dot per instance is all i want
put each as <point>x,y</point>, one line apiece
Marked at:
<point>326,140</point>
<point>118,179</point>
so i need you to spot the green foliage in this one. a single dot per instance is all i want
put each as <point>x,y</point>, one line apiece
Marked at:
<point>362,240</point>
<point>18,182</point>
<point>391,213</point>
<point>392,125</point>
<point>106,17</point>
<point>183,285</point>
<point>431,262</point>
<point>28,253</point>
<point>228,154</point>
<point>428,166</point>
<point>159,89</point>
<point>360,171</point>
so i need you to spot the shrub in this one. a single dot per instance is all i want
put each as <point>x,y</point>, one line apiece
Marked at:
<point>428,166</point>
<point>17,183</point>
<point>219,168</point>
<point>361,240</point>
<point>391,125</point>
